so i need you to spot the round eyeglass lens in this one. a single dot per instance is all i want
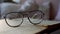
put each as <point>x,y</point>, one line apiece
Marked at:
<point>36,17</point>
<point>14,19</point>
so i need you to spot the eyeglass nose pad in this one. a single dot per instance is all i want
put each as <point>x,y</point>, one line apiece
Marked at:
<point>3,17</point>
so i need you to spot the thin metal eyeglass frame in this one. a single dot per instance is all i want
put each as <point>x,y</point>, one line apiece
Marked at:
<point>23,17</point>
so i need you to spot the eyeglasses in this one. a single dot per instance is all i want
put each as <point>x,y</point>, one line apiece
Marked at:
<point>15,19</point>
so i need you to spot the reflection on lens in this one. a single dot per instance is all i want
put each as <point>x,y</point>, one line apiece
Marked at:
<point>36,17</point>
<point>14,19</point>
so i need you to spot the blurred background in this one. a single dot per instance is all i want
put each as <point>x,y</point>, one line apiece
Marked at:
<point>53,6</point>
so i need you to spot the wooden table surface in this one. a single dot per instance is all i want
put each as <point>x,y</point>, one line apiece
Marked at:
<point>25,28</point>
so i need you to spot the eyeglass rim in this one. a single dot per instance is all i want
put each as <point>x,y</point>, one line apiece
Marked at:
<point>40,21</point>
<point>10,25</point>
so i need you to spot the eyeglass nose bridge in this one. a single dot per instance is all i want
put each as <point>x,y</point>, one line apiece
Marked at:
<point>25,15</point>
